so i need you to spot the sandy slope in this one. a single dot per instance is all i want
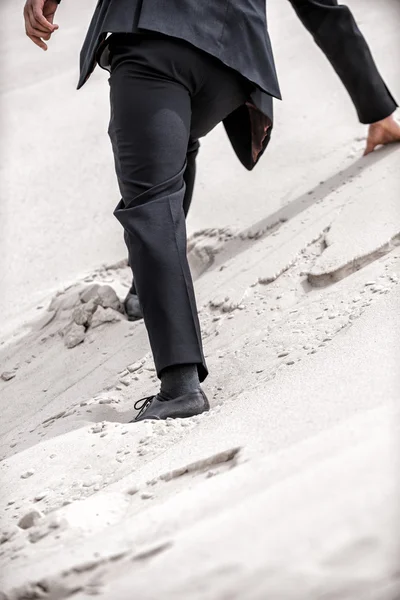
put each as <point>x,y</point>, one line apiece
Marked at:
<point>302,433</point>
<point>288,488</point>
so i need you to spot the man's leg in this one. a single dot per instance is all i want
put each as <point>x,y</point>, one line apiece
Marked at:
<point>153,83</point>
<point>150,127</point>
<point>131,302</point>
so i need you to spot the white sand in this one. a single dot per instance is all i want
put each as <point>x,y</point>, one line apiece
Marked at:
<point>292,484</point>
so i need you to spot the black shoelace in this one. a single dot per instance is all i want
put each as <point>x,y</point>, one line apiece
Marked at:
<point>142,404</point>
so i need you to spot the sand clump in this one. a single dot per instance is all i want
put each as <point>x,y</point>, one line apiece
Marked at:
<point>91,307</point>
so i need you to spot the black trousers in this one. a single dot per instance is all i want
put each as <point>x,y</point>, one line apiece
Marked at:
<point>189,178</point>
<point>165,95</point>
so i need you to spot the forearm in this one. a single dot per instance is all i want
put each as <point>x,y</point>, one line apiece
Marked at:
<point>335,31</point>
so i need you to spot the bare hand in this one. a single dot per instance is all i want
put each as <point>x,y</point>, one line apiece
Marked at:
<point>39,17</point>
<point>381,133</point>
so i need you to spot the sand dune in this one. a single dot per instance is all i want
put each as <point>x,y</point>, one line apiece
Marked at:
<point>288,488</point>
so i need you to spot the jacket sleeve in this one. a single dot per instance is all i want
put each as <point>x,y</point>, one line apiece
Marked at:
<point>335,31</point>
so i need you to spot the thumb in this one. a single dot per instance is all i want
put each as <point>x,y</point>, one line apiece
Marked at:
<point>49,11</point>
<point>370,147</point>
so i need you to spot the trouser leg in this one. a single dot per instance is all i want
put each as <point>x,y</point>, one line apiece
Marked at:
<point>151,125</point>
<point>189,179</point>
<point>336,32</point>
<point>154,86</point>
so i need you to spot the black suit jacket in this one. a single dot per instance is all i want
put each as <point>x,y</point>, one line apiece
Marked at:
<point>234,31</point>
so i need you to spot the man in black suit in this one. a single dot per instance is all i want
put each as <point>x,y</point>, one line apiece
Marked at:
<point>178,68</point>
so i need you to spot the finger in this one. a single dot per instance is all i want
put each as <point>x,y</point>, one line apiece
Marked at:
<point>34,28</point>
<point>38,42</point>
<point>31,32</point>
<point>50,18</point>
<point>37,23</point>
<point>370,147</point>
<point>41,21</point>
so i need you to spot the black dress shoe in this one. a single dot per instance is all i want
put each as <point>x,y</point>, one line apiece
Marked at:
<point>132,307</point>
<point>188,405</point>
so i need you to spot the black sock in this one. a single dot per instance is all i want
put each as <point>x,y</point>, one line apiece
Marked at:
<point>179,380</point>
